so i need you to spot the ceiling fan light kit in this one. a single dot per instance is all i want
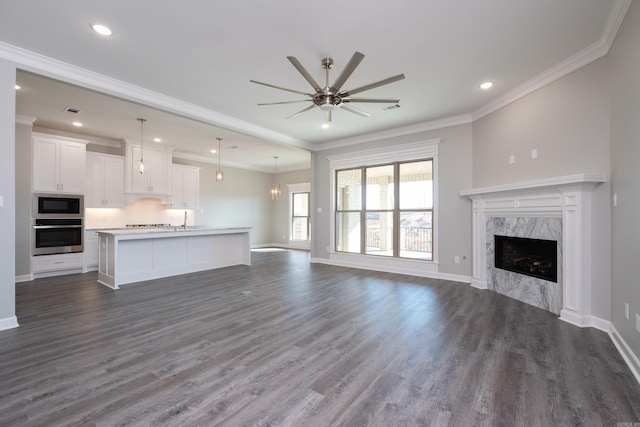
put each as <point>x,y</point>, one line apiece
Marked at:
<point>331,97</point>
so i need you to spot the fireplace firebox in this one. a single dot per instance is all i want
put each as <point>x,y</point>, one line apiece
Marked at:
<point>532,257</point>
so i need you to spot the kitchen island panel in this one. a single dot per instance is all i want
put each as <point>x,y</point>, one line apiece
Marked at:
<point>128,257</point>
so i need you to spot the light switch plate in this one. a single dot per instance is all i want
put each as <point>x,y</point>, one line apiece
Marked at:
<point>1,201</point>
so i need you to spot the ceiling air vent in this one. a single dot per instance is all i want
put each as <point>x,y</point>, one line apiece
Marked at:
<point>391,107</point>
<point>72,110</point>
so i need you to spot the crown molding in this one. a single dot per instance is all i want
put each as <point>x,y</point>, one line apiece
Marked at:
<point>397,132</point>
<point>53,68</point>
<point>587,55</point>
<point>25,120</point>
<point>214,161</point>
<point>614,20</point>
<point>49,67</point>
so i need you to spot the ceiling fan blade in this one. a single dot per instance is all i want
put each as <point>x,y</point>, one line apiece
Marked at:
<point>281,88</point>
<point>348,70</point>
<point>355,110</point>
<point>304,73</point>
<point>386,81</point>
<point>380,100</point>
<point>302,111</point>
<point>285,102</point>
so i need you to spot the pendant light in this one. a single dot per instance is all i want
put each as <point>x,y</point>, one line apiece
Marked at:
<point>219,174</point>
<point>275,187</point>
<point>141,164</point>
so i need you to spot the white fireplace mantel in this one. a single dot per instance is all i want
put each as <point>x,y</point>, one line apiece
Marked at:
<point>566,197</point>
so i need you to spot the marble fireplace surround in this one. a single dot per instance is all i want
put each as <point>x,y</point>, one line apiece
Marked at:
<point>567,198</point>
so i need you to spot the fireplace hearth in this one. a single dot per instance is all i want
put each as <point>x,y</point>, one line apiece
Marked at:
<point>532,257</point>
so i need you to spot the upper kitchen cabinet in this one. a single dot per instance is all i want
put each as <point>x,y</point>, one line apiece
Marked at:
<point>156,179</point>
<point>186,187</point>
<point>58,164</point>
<point>105,181</point>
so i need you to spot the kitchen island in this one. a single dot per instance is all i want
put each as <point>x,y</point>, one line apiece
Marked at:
<point>134,255</point>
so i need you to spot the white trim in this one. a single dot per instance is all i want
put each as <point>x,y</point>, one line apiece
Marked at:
<point>568,198</point>
<point>24,278</point>
<point>625,351</point>
<point>587,55</point>
<point>614,20</point>
<point>376,265</point>
<point>539,184</point>
<point>398,132</point>
<point>50,67</point>
<point>302,187</point>
<point>394,153</point>
<point>8,323</point>
<point>25,120</point>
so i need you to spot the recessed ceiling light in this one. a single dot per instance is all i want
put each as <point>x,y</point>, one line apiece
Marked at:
<point>157,140</point>
<point>77,124</point>
<point>18,87</point>
<point>486,85</point>
<point>101,29</point>
<point>214,151</point>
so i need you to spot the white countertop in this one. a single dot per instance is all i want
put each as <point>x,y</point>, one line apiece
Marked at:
<point>169,231</point>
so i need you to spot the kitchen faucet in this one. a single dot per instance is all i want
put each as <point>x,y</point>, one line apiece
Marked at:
<point>185,220</point>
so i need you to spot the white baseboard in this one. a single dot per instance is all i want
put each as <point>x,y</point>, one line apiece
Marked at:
<point>391,269</point>
<point>625,351</point>
<point>8,323</point>
<point>279,245</point>
<point>24,278</point>
<point>585,321</point>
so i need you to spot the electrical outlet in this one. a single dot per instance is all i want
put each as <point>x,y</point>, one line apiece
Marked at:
<point>626,311</point>
<point>512,159</point>
<point>637,322</point>
<point>534,153</point>
<point>456,259</point>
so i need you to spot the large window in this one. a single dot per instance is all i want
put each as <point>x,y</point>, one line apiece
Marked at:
<point>300,219</point>
<point>386,210</point>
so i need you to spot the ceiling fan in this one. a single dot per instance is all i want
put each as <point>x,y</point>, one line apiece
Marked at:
<point>330,97</point>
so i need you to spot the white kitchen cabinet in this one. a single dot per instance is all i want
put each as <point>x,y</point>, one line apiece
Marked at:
<point>156,179</point>
<point>59,262</point>
<point>90,251</point>
<point>186,186</point>
<point>105,181</point>
<point>58,164</point>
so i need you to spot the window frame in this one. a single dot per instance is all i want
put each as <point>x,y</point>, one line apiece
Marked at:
<point>396,211</point>
<point>412,151</point>
<point>294,216</point>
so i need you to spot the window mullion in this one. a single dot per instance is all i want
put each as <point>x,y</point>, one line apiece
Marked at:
<point>363,211</point>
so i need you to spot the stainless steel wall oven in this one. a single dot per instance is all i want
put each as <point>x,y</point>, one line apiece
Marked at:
<point>58,224</point>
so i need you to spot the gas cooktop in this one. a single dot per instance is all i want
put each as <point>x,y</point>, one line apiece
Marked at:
<point>147,225</point>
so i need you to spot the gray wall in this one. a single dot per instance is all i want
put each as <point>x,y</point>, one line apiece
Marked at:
<point>567,121</point>
<point>7,191</point>
<point>454,175</point>
<point>624,63</point>
<point>241,199</point>
<point>23,200</point>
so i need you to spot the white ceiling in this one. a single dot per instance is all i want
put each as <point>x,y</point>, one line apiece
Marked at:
<point>198,56</point>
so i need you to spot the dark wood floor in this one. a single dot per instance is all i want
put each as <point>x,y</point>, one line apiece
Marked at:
<point>287,343</point>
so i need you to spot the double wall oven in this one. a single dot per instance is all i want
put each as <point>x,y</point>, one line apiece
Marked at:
<point>58,223</point>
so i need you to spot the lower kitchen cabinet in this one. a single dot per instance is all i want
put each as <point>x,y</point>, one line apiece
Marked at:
<point>58,262</point>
